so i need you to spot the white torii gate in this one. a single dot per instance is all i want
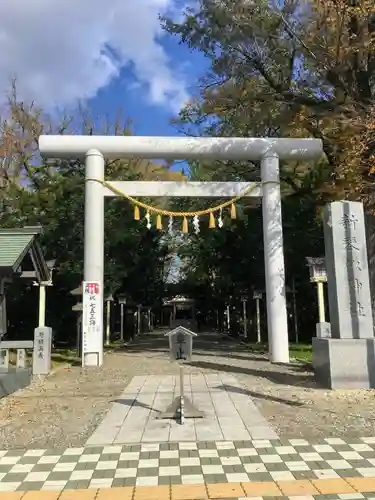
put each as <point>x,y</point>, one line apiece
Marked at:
<point>95,149</point>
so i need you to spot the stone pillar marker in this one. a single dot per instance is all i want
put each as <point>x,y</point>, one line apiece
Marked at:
<point>42,350</point>
<point>347,271</point>
<point>347,359</point>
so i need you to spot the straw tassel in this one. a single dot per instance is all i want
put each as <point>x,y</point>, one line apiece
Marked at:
<point>233,211</point>
<point>137,215</point>
<point>159,224</point>
<point>185,228</point>
<point>212,223</point>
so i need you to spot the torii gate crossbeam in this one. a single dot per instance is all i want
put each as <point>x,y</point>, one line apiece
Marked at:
<point>95,149</point>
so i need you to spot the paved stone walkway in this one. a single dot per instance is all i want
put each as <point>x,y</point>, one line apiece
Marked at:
<point>232,453</point>
<point>229,413</point>
<point>66,408</point>
<point>188,463</point>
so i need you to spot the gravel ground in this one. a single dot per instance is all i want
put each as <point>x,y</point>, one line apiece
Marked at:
<point>64,408</point>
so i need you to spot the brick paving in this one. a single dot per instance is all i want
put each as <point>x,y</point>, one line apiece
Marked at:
<point>319,489</point>
<point>158,464</point>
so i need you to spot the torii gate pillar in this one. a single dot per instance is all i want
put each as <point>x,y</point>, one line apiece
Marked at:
<point>95,148</point>
<point>277,318</point>
<point>93,269</point>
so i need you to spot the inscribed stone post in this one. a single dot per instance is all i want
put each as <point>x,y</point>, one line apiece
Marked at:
<point>21,359</point>
<point>347,271</point>
<point>42,350</point>
<point>4,359</point>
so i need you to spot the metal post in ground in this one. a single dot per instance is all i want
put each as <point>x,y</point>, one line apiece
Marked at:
<point>296,336</point>
<point>182,394</point>
<point>122,322</point>
<point>244,304</point>
<point>321,305</point>
<point>259,337</point>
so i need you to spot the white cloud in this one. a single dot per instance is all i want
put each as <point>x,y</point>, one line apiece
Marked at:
<point>63,50</point>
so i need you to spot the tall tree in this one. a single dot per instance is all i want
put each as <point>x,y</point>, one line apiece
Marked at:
<point>290,68</point>
<point>52,194</point>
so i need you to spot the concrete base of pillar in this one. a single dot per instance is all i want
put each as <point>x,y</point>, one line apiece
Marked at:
<point>344,363</point>
<point>91,360</point>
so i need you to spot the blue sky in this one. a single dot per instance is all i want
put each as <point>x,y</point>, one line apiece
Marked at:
<point>109,54</point>
<point>149,118</point>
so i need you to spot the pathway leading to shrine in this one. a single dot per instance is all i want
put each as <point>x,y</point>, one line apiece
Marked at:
<point>93,434</point>
<point>229,413</point>
<point>66,408</point>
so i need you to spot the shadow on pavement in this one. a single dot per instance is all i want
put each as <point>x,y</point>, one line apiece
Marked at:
<point>213,342</point>
<point>258,395</point>
<point>250,357</point>
<point>215,345</point>
<point>281,378</point>
<point>134,402</point>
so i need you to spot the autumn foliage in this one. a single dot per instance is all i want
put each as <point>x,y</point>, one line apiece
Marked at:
<point>290,68</point>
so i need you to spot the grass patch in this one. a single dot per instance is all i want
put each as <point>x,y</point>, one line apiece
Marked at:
<point>65,356</point>
<point>300,352</point>
<point>69,355</point>
<point>114,345</point>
